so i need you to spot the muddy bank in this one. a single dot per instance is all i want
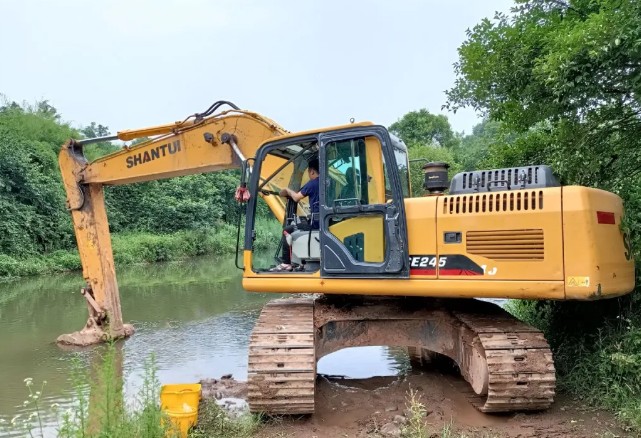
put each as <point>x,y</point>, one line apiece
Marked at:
<point>377,407</point>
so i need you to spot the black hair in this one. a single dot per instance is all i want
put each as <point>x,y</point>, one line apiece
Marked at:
<point>313,164</point>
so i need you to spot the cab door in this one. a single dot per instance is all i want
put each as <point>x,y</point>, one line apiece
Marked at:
<point>362,217</point>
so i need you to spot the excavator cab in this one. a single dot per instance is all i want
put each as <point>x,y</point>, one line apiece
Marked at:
<point>360,225</point>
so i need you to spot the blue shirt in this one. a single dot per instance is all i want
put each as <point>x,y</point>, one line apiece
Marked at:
<point>312,190</point>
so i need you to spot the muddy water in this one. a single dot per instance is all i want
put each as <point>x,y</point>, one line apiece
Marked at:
<point>193,316</point>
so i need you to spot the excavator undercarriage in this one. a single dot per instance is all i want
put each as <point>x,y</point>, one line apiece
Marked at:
<point>507,363</point>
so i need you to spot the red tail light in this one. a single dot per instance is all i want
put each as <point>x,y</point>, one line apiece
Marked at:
<point>605,217</point>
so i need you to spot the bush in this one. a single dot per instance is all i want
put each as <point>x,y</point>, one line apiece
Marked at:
<point>137,248</point>
<point>597,358</point>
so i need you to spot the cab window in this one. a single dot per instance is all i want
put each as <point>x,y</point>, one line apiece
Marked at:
<point>346,171</point>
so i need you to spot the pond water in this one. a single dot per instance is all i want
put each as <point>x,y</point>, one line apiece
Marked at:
<point>193,316</point>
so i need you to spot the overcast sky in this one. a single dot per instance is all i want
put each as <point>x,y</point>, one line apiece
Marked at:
<point>306,64</point>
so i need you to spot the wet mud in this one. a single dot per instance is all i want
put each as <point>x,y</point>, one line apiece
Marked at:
<point>378,407</point>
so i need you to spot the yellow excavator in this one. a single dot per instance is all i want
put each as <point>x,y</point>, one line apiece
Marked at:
<point>381,267</point>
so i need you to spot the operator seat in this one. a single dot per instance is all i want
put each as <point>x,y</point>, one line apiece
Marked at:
<point>305,243</point>
<point>305,246</point>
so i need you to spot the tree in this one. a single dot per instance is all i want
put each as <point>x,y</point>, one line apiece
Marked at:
<point>44,109</point>
<point>32,214</point>
<point>423,128</point>
<point>568,71</point>
<point>95,130</point>
<point>473,149</point>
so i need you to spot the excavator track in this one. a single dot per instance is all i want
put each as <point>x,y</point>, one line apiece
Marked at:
<point>507,363</point>
<point>282,358</point>
<point>521,374</point>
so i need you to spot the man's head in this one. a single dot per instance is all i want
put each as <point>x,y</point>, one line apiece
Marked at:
<point>312,168</point>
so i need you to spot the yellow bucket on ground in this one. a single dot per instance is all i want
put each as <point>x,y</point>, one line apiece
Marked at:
<point>180,403</point>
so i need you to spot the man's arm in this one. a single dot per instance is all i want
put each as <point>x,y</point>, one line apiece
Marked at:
<point>296,196</point>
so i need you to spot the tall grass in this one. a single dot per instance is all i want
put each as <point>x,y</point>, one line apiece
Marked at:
<point>417,426</point>
<point>597,359</point>
<point>99,409</point>
<point>141,247</point>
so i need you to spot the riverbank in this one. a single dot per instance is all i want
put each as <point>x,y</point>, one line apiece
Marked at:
<point>141,247</point>
<point>427,401</point>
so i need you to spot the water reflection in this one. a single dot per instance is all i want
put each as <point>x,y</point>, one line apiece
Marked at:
<point>194,317</point>
<point>365,362</point>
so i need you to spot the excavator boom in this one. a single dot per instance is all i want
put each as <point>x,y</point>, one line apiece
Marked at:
<point>204,144</point>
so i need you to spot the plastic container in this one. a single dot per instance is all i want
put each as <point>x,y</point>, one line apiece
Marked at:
<point>180,403</point>
<point>180,423</point>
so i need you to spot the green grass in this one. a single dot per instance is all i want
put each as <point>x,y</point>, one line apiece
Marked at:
<point>416,425</point>
<point>140,248</point>
<point>597,350</point>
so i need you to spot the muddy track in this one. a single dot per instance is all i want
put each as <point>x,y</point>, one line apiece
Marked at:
<point>520,367</point>
<point>282,359</point>
<point>364,407</point>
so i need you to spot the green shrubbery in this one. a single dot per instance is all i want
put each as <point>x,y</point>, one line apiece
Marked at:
<point>597,355</point>
<point>152,221</point>
<point>136,248</point>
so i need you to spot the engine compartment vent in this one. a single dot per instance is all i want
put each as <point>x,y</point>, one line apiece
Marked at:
<point>514,178</point>
<point>493,202</point>
<point>514,245</point>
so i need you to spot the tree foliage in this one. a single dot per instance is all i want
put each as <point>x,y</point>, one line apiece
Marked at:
<point>33,218</point>
<point>570,72</point>
<point>473,148</point>
<point>424,128</point>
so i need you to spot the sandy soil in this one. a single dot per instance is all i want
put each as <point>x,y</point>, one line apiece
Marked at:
<point>377,407</point>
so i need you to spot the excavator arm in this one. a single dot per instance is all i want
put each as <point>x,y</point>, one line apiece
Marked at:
<point>202,143</point>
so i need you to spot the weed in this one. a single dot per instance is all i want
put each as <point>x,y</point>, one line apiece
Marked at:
<point>30,425</point>
<point>415,426</point>
<point>73,422</point>
<point>214,422</point>
<point>101,412</point>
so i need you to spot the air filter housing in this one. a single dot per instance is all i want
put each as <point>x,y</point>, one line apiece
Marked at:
<point>435,177</point>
